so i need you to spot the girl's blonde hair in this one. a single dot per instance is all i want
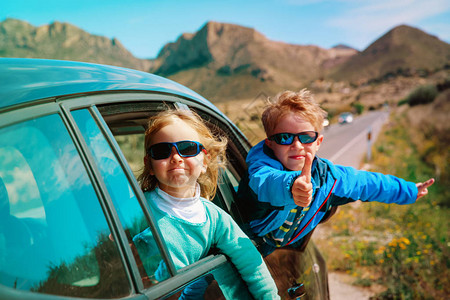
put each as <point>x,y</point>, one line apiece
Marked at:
<point>215,147</point>
<point>300,103</point>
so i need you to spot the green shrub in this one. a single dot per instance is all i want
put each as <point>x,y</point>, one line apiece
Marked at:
<point>422,95</point>
<point>358,107</point>
<point>402,102</point>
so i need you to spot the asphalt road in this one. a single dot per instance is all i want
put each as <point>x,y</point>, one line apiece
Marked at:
<point>347,144</point>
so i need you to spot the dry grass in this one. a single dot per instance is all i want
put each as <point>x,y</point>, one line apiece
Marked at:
<point>404,248</point>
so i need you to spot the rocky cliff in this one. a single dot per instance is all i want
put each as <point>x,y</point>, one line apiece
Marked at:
<point>63,41</point>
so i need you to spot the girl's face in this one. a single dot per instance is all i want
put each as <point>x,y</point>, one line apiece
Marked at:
<point>177,175</point>
<point>293,156</point>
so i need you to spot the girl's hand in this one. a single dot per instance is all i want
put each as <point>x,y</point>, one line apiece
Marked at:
<point>422,188</point>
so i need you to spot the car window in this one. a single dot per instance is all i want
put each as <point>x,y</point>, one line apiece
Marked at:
<point>130,138</point>
<point>54,237</point>
<point>127,206</point>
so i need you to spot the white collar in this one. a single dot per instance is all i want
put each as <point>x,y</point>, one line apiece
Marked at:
<point>189,209</point>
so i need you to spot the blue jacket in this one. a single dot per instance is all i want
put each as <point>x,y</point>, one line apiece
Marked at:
<point>268,206</point>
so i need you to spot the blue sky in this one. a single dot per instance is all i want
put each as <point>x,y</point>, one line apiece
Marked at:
<point>145,26</point>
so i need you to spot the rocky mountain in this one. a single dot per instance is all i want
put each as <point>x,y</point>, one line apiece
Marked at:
<point>404,50</point>
<point>227,59</point>
<point>63,41</point>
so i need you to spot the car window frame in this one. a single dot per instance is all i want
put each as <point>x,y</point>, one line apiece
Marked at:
<point>118,230</point>
<point>189,273</point>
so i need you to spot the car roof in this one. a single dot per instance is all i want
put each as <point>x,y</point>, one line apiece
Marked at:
<point>24,80</point>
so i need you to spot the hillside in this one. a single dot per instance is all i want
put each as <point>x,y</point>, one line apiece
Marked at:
<point>403,50</point>
<point>63,41</point>
<point>225,60</point>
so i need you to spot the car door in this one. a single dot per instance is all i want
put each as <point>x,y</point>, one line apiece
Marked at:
<point>57,234</point>
<point>70,207</point>
<point>113,131</point>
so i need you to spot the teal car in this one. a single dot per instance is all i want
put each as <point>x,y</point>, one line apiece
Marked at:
<point>71,146</point>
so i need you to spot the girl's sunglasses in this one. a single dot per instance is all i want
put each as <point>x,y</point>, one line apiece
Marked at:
<point>184,149</point>
<point>285,138</point>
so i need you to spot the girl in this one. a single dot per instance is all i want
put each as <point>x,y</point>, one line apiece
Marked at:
<point>180,175</point>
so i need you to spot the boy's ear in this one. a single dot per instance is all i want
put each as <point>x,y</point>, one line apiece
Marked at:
<point>318,142</point>
<point>268,143</point>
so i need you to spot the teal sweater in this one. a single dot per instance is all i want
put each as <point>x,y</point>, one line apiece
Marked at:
<point>189,242</point>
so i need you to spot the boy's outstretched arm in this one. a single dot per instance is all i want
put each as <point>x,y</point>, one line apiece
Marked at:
<point>422,188</point>
<point>302,186</point>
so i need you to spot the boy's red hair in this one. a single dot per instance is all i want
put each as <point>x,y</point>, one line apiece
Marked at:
<point>300,103</point>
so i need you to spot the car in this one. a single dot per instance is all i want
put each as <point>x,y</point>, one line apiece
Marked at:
<point>345,118</point>
<point>71,146</point>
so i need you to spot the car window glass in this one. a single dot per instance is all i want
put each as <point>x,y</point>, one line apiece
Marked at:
<point>124,199</point>
<point>53,234</point>
<point>232,179</point>
<point>226,196</point>
<point>132,146</point>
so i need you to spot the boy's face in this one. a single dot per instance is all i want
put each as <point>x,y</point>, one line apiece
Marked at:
<point>293,156</point>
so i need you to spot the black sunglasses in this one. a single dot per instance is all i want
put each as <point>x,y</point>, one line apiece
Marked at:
<point>184,149</point>
<point>286,138</point>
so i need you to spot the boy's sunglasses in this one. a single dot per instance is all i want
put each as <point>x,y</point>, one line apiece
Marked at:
<point>184,149</point>
<point>286,138</point>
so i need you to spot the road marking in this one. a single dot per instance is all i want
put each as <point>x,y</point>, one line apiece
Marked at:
<point>375,126</point>
<point>349,144</point>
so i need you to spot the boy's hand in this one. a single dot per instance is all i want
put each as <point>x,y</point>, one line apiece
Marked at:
<point>422,187</point>
<point>302,187</point>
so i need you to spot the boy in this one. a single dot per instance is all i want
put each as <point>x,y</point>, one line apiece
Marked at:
<point>289,190</point>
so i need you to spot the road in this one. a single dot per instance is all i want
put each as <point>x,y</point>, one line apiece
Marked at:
<point>347,144</point>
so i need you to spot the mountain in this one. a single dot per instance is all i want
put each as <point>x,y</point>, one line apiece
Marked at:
<point>404,50</point>
<point>63,41</point>
<point>229,60</point>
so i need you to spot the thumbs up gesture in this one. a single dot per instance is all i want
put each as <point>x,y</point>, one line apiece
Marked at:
<point>302,187</point>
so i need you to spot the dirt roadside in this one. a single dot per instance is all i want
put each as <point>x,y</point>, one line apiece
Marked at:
<point>340,283</point>
<point>341,288</point>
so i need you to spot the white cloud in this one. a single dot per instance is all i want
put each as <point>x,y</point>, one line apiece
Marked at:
<point>368,20</point>
<point>22,187</point>
<point>67,173</point>
<point>387,13</point>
